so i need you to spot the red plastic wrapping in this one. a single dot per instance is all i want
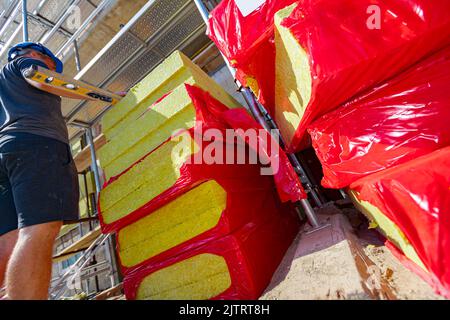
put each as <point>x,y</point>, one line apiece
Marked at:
<point>405,118</point>
<point>248,43</point>
<point>252,254</point>
<point>416,197</point>
<point>247,200</point>
<point>347,57</point>
<point>211,114</point>
<point>287,181</point>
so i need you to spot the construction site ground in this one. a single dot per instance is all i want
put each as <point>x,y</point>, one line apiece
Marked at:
<point>344,260</point>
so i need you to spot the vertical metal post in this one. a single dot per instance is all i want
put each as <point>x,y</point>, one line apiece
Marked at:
<point>310,214</point>
<point>259,116</point>
<point>108,245</point>
<point>110,256</point>
<point>343,193</point>
<point>94,165</point>
<point>25,21</point>
<point>77,56</point>
<point>205,15</point>
<point>268,123</point>
<point>202,9</point>
<point>318,199</point>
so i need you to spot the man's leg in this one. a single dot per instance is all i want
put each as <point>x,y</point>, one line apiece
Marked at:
<point>44,183</point>
<point>8,225</point>
<point>7,243</point>
<point>29,270</point>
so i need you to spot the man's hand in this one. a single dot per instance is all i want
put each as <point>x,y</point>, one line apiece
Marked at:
<point>121,93</point>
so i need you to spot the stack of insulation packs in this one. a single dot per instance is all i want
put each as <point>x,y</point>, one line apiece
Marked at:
<point>390,147</point>
<point>367,83</point>
<point>310,56</point>
<point>188,228</point>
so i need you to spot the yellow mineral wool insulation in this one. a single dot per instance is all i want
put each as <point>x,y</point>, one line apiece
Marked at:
<point>252,83</point>
<point>149,178</point>
<point>86,181</point>
<point>186,217</point>
<point>292,78</point>
<point>199,278</point>
<point>83,208</point>
<point>87,187</point>
<point>174,71</point>
<point>388,228</point>
<point>174,113</point>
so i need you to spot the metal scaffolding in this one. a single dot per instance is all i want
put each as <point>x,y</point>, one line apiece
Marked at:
<point>45,21</point>
<point>40,22</point>
<point>158,29</point>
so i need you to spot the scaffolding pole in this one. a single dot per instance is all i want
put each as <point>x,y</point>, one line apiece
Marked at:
<point>77,56</point>
<point>94,165</point>
<point>255,109</point>
<point>25,21</point>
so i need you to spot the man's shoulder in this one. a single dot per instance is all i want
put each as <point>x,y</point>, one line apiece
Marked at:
<point>11,66</point>
<point>8,66</point>
<point>20,64</point>
<point>14,70</point>
<point>25,62</point>
<point>9,71</point>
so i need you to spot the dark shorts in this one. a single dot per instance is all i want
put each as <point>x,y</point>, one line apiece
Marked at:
<point>38,182</point>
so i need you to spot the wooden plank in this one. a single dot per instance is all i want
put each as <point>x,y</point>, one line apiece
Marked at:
<point>83,158</point>
<point>111,294</point>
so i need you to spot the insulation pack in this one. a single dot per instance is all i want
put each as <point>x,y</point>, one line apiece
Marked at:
<point>411,203</point>
<point>147,120</point>
<point>402,119</point>
<point>207,212</point>
<point>328,51</point>
<point>237,266</point>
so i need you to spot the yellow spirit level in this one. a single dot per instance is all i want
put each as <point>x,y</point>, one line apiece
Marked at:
<point>59,81</point>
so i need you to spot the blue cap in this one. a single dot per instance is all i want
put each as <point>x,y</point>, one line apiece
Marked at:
<point>12,54</point>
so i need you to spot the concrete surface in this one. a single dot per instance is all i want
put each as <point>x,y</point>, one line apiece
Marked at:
<point>319,265</point>
<point>341,262</point>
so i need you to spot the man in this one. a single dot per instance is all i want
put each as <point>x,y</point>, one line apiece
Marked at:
<point>38,178</point>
